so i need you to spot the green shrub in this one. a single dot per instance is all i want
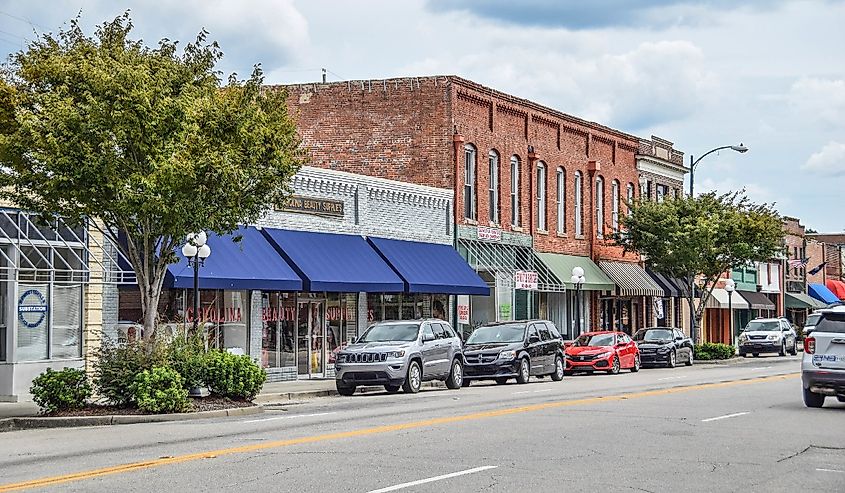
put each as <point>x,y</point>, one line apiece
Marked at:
<point>160,390</point>
<point>186,355</point>
<point>236,377</point>
<point>59,390</point>
<point>116,367</point>
<point>714,351</point>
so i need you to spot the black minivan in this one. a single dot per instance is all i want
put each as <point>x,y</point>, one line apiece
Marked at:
<point>521,349</point>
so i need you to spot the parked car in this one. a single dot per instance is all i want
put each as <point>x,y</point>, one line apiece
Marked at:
<point>810,323</point>
<point>823,363</point>
<point>664,345</point>
<point>505,350</point>
<point>401,354</point>
<point>602,351</point>
<point>768,335</point>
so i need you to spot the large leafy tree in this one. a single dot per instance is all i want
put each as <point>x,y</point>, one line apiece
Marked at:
<point>147,141</point>
<point>702,238</point>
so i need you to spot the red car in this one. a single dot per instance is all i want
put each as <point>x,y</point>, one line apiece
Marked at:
<point>602,351</point>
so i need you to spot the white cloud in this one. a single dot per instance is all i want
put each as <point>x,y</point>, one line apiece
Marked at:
<point>820,99</point>
<point>830,160</point>
<point>756,192</point>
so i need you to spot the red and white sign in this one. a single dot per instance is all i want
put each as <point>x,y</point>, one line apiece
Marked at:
<point>525,280</point>
<point>489,234</point>
<point>463,309</point>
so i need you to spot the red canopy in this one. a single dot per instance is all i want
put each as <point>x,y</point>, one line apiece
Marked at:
<point>837,287</point>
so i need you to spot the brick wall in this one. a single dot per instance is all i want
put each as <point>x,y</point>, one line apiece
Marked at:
<point>815,252</point>
<point>793,238</point>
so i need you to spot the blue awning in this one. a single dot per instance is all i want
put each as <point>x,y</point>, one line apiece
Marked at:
<point>822,293</point>
<point>430,268</point>
<point>334,262</point>
<point>251,263</point>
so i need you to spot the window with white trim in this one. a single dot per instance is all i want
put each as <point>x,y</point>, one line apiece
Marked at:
<point>630,197</point>
<point>579,205</point>
<point>541,196</point>
<point>614,217</point>
<point>515,206</point>
<point>493,190</point>
<point>469,182</point>
<point>561,200</point>
<point>599,207</point>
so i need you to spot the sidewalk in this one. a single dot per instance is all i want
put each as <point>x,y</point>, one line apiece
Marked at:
<point>18,409</point>
<point>282,392</point>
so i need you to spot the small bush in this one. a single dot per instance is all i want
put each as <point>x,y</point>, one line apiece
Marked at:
<point>160,390</point>
<point>186,355</point>
<point>59,390</point>
<point>236,377</point>
<point>116,367</point>
<point>714,351</point>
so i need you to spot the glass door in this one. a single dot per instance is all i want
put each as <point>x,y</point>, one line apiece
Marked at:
<point>311,339</point>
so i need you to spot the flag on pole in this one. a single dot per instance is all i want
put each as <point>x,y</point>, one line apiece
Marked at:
<point>816,270</point>
<point>797,262</point>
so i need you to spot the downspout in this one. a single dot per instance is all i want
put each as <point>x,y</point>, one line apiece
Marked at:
<point>593,167</point>
<point>457,144</point>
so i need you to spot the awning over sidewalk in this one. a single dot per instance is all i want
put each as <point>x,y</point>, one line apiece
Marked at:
<point>801,301</point>
<point>631,279</point>
<point>430,268</point>
<point>837,287</point>
<point>719,299</point>
<point>670,289</point>
<point>335,262</point>
<point>562,265</point>
<point>822,293</point>
<point>251,263</point>
<point>504,260</point>
<point>757,301</point>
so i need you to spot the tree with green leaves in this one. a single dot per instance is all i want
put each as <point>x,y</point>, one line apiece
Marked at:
<point>702,238</point>
<point>147,142</point>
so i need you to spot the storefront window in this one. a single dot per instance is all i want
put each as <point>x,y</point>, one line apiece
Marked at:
<point>67,321</point>
<point>32,323</point>
<point>3,304</point>
<point>406,306</point>
<point>225,317</point>
<point>278,315</point>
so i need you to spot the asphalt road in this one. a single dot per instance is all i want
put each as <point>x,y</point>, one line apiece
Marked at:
<point>705,428</point>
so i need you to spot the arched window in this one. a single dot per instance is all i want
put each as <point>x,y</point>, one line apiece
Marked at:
<point>630,197</point>
<point>599,207</point>
<point>469,182</point>
<point>515,209</point>
<point>541,196</point>
<point>579,205</point>
<point>614,217</point>
<point>561,200</point>
<point>493,191</point>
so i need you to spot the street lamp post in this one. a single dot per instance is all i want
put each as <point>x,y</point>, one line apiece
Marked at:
<point>196,250</point>
<point>578,280</point>
<point>693,163</point>
<point>730,287</point>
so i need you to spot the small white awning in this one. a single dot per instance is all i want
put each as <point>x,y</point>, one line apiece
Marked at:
<point>719,299</point>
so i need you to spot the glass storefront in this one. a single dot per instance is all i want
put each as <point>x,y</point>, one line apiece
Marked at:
<point>406,306</point>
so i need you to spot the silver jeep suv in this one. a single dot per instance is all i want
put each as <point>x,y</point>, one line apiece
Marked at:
<point>823,364</point>
<point>401,354</point>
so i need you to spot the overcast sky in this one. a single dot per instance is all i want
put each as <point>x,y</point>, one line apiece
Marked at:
<point>700,73</point>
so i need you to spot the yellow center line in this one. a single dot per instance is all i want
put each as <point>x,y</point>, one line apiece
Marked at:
<point>135,466</point>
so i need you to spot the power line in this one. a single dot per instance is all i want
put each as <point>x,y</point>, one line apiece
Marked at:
<point>32,24</point>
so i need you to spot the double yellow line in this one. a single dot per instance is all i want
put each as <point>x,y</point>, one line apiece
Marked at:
<point>135,466</point>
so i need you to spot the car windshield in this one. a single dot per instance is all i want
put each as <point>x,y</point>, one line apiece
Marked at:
<point>653,335</point>
<point>761,326</point>
<point>594,340</point>
<point>497,333</point>
<point>812,319</point>
<point>391,332</point>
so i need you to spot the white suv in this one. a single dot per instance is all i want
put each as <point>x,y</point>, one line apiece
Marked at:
<point>767,335</point>
<point>823,364</point>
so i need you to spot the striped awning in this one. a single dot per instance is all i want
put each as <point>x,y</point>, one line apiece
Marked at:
<point>630,279</point>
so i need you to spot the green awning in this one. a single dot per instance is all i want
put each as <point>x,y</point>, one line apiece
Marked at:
<point>561,266</point>
<point>801,301</point>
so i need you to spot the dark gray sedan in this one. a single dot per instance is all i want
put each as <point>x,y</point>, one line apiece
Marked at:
<point>664,346</point>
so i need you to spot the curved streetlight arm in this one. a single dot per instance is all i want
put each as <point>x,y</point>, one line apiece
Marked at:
<point>711,151</point>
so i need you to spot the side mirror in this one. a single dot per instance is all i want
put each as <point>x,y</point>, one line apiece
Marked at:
<point>428,337</point>
<point>352,341</point>
<point>679,338</point>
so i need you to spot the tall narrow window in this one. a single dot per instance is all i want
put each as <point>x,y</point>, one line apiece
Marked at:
<point>579,205</point>
<point>469,182</point>
<point>630,197</point>
<point>561,200</point>
<point>614,217</point>
<point>599,207</point>
<point>493,191</point>
<point>541,196</point>
<point>515,210</point>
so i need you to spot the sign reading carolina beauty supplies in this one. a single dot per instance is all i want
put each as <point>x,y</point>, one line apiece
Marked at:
<point>525,280</point>
<point>308,205</point>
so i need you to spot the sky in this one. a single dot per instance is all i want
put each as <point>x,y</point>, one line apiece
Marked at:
<point>769,74</point>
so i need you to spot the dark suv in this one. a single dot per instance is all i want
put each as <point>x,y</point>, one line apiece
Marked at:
<point>505,350</point>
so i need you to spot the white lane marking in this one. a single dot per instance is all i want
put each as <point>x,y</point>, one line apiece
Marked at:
<point>761,368</point>
<point>830,470</point>
<point>533,391</point>
<point>673,378</point>
<point>430,480</point>
<point>274,418</point>
<point>723,417</point>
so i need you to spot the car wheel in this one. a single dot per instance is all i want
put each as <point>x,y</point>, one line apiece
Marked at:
<point>673,360</point>
<point>782,351</point>
<point>524,371</point>
<point>744,355</point>
<point>756,355</point>
<point>501,381</point>
<point>466,383</point>
<point>456,376</point>
<point>812,399</point>
<point>614,366</point>
<point>346,390</point>
<point>413,380</point>
<point>794,349</point>
<point>840,398</point>
<point>689,360</point>
<point>636,366</point>
<point>557,376</point>
<point>392,389</point>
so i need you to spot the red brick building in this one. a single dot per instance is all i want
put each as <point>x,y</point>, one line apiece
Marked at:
<point>545,182</point>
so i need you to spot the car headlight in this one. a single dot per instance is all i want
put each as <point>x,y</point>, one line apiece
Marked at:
<point>507,355</point>
<point>396,354</point>
<point>602,355</point>
<point>663,349</point>
<point>773,337</point>
<point>743,337</point>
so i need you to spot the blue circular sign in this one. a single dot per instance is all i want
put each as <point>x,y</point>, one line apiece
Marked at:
<point>32,308</point>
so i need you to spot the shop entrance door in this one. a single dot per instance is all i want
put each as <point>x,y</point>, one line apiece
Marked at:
<point>311,339</point>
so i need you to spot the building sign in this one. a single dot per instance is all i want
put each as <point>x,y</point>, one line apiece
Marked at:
<point>525,280</point>
<point>489,234</point>
<point>32,308</point>
<point>658,308</point>
<point>463,309</point>
<point>505,311</point>
<point>215,315</point>
<point>307,205</point>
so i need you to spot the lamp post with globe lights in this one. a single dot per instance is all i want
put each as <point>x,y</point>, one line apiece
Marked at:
<point>730,287</point>
<point>578,280</point>
<point>196,250</point>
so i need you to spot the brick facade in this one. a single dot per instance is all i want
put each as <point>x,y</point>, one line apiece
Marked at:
<point>795,248</point>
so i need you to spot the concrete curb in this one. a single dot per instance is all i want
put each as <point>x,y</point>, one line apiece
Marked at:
<point>28,423</point>
<point>277,398</point>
